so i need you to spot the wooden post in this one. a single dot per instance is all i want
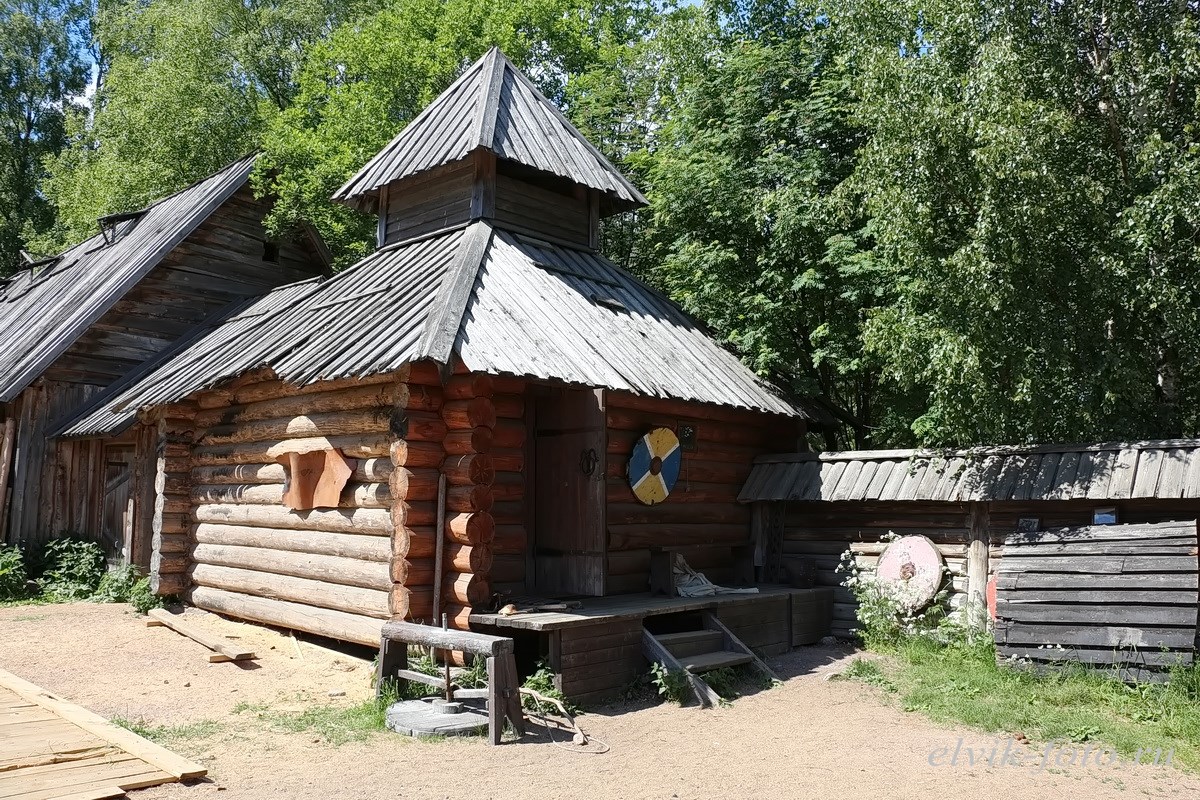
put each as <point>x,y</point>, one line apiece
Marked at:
<point>439,547</point>
<point>6,454</point>
<point>977,566</point>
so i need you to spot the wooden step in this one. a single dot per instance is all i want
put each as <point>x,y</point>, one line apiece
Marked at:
<point>704,662</point>
<point>691,643</point>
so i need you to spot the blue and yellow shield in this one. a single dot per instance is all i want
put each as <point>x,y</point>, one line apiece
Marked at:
<point>654,465</point>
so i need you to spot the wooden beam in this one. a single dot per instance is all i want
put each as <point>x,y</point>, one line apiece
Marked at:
<point>130,742</point>
<point>428,636</point>
<point>217,644</point>
<point>977,566</point>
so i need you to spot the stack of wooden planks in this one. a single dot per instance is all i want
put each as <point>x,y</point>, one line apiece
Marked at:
<point>51,749</point>
<point>1118,597</point>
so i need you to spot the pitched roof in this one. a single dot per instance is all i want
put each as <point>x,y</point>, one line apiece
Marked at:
<point>492,106</point>
<point>1107,471</point>
<point>43,310</point>
<point>504,303</point>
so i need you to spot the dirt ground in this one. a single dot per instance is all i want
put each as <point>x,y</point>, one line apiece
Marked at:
<point>810,737</point>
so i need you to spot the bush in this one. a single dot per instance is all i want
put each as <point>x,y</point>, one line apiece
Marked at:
<point>672,684</point>
<point>116,585</point>
<point>142,599</point>
<point>72,569</point>
<point>13,574</point>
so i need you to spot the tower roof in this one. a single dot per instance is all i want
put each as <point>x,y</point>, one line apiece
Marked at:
<point>492,106</point>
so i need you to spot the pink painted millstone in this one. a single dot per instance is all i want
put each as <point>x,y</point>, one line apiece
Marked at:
<point>912,568</point>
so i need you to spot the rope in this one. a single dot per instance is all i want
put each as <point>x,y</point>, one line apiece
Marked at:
<point>579,740</point>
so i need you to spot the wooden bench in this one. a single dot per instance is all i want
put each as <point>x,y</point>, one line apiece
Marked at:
<point>503,692</point>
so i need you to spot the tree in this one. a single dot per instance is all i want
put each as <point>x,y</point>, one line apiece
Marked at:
<point>41,79</point>
<point>1024,178</point>
<point>186,87</point>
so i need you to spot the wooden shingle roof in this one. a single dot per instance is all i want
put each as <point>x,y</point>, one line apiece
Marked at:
<point>43,310</point>
<point>1168,468</point>
<point>503,303</point>
<point>492,106</point>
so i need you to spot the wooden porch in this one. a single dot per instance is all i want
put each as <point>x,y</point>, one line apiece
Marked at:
<point>596,650</point>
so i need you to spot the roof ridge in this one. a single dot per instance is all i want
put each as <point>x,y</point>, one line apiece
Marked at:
<point>487,112</point>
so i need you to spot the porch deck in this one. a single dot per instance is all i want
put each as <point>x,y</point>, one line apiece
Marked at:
<point>624,607</point>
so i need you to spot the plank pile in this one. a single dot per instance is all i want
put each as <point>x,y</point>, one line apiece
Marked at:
<point>1119,597</point>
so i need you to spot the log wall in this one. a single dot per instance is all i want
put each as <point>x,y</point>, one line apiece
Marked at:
<point>822,531</point>
<point>510,490</point>
<point>171,529</point>
<point>702,514</point>
<point>325,571</point>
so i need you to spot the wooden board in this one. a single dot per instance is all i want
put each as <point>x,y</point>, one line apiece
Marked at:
<point>51,749</point>
<point>222,649</point>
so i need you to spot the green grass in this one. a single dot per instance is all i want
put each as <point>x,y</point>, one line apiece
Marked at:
<point>962,683</point>
<point>336,724</point>
<point>203,729</point>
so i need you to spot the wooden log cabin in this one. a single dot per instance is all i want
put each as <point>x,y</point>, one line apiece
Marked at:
<point>91,318</point>
<point>975,505</point>
<point>467,399</point>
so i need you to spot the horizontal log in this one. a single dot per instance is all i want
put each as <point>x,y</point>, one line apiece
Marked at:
<point>626,426</point>
<point>465,387</point>
<point>470,440</point>
<point>508,486</point>
<point>469,470</point>
<point>474,413</point>
<point>423,373</point>
<point>510,540</point>
<point>474,528</point>
<point>466,589</point>
<point>676,512</point>
<point>618,491</point>
<point>414,514</point>
<point>479,644</point>
<point>172,523</point>
<point>509,406</point>
<point>508,460</point>
<point>421,397</point>
<point>415,603</point>
<point>414,484</point>
<point>511,512</point>
<point>371,521</point>
<point>350,599</point>
<point>264,386</point>
<point>342,545</point>
<point>507,568</point>
<point>172,584</point>
<point>328,425</point>
<point>366,446</point>
<point>416,454</point>
<point>476,559</point>
<point>163,563</point>
<point>509,434</point>
<point>419,426</point>
<point>330,569</point>
<point>377,395</point>
<point>289,615</point>
<point>466,499</point>
<point>170,543</point>
<point>1146,547</point>
<point>1120,614</point>
<point>1094,564</point>
<point>1050,580</point>
<point>691,471</point>
<point>629,537</point>
<point>412,572</point>
<point>1105,655</point>
<point>355,495</point>
<point>366,470</point>
<point>414,542</point>
<point>1130,596</point>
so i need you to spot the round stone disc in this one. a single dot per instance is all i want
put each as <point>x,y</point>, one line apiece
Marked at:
<point>912,568</point>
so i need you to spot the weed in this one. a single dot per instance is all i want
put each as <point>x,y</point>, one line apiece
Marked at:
<point>868,672</point>
<point>672,684</point>
<point>203,729</point>
<point>723,681</point>
<point>118,584</point>
<point>335,724</point>
<point>13,574</point>
<point>71,568</point>
<point>542,682</point>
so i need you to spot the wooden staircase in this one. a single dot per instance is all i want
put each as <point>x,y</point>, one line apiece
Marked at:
<point>695,652</point>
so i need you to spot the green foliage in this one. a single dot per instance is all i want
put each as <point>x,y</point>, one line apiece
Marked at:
<point>13,575</point>
<point>672,684</point>
<point>861,669</point>
<point>42,75</point>
<point>118,584</point>
<point>336,724</point>
<point>142,599</point>
<point>541,681</point>
<point>71,569</point>
<point>959,681</point>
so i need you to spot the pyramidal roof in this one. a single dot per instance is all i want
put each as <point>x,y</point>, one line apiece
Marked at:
<point>492,106</point>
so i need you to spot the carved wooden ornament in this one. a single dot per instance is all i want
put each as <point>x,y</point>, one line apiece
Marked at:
<point>315,479</point>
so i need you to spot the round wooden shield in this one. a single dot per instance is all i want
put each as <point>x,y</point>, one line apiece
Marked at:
<point>654,465</point>
<point>912,568</point>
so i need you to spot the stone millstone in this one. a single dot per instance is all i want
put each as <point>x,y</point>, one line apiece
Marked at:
<point>422,718</point>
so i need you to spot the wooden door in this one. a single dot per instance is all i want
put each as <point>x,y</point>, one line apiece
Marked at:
<point>116,521</point>
<point>570,535</point>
